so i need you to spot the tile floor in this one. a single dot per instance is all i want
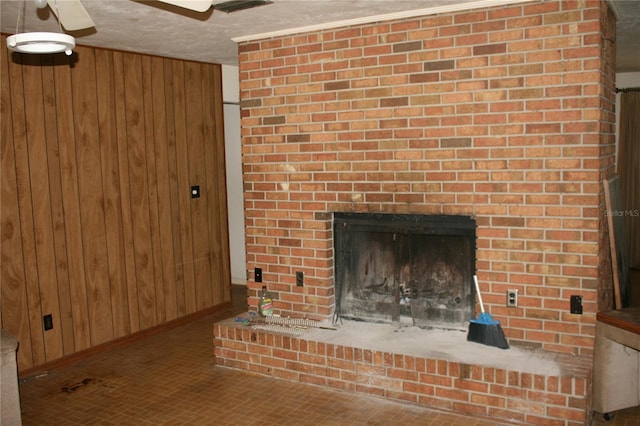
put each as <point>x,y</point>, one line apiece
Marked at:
<point>171,379</point>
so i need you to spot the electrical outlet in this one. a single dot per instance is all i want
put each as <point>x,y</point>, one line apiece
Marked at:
<point>47,322</point>
<point>300,278</point>
<point>576,304</point>
<point>257,275</point>
<point>512,298</point>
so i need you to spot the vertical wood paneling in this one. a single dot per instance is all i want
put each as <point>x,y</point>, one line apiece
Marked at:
<point>107,123</point>
<point>160,143</point>
<point>57,211</point>
<point>199,206</point>
<point>211,195</point>
<point>12,277</point>
<point>40,197</point>
<point>125,190</point>
<point>138,185</point>
<point>184,207</point>
<point>172,169</point>
<point>98,226</point>
<point>154,224</point>
<point>71,204</point>
<point>216,186</point>
<point>94,240</point>
<point>221,211</point>
<point>38,178</point>
<point>29,259</point>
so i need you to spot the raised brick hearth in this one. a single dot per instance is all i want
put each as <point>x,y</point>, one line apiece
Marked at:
<point>504,114</point>
<point>534,396</point>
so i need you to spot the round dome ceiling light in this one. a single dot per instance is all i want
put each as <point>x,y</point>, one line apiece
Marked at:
<point>41,43</point>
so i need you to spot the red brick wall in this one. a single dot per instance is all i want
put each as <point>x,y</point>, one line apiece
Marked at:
<point>543,398</point>
<point>503,113</point>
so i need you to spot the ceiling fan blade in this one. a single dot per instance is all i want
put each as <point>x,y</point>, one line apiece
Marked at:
<point>71,14</point>
<point>196,5</point>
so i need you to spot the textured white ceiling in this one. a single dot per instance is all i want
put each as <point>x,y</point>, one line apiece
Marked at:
<point>627,35</point>
<point>158,29</point>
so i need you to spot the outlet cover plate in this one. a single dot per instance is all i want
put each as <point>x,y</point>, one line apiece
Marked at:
<point>47,322</point>
<point>576,304</point>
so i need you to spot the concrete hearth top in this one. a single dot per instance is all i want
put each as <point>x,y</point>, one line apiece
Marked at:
<point>450,345</point>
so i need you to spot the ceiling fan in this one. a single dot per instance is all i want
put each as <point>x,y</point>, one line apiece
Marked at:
<point>73,16</point>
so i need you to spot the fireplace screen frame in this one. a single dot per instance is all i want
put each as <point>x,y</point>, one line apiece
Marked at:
<point>400,291</point>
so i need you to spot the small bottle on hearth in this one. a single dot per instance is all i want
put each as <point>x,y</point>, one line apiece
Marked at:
<point>265,306</point>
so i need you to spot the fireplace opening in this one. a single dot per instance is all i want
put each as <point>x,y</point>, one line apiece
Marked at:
<point>405,268</point>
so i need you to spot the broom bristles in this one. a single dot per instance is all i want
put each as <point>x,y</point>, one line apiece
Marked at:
<point>485,329</point>
<point>487,334</point>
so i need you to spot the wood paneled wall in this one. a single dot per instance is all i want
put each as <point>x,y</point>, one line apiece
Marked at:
<point>98,227</point>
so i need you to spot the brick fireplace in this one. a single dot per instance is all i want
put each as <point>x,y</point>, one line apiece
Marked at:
<point>503,114</point>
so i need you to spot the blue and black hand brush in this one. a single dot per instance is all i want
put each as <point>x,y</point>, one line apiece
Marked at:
<point>485,329</point>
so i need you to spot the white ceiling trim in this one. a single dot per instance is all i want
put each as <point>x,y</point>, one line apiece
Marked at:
<point>380,18</point>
